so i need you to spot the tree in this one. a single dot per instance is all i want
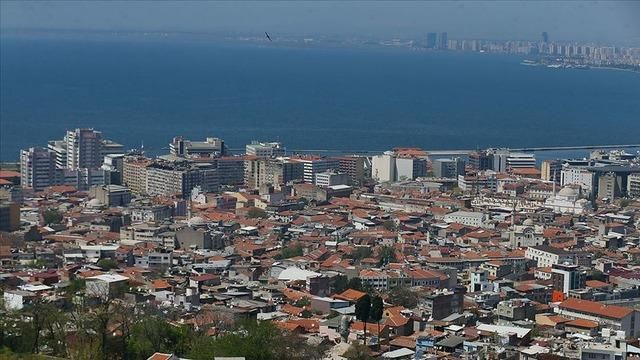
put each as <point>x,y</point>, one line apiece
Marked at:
<point>291,251</point>
<point>403,297</point>
<point>361,252</point>
<point>389,225</point>
<point>107,264</point>
<point>340,284</point>
<point>52,216</point>
<point>357,352</point>
<point>355,284</point>
<point>256,213</point>
<point>363,309</point>
<point>387,255</point>
<point>377,309</point>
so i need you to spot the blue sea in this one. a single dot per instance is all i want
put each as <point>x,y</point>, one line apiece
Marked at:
<point>308,98</point>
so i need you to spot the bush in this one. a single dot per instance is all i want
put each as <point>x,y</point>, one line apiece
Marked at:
<point>52,216</point>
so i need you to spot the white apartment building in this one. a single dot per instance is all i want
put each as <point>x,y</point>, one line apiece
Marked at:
<point>468,218</point>
<point>633,185</point>
<point>315,165</point>
<point>84,148</point>
<point>571,175</point>
<point>547,256</point>
<point>265,149</point>
<point>383,167</point>
<point>37,168</point>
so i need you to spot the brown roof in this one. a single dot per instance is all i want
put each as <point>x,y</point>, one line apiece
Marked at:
<point>350,295</point>
<point>582,323</point>
<point>596,308</point>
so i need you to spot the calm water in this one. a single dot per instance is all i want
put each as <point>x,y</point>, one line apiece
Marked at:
<point>364,99</point>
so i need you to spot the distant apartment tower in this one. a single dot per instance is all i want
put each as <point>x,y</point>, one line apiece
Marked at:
<point>551,170</point>
<point>432,40</point>
<point>383,167</point>
<point>231,170</point>
<point>312,165</point>
<point>265,149</point>
<point>567,277</point>
<point>609,186</point>
<point>503,160</point>
<point>113,165</point>
<point>353,166</point>
<point>331,178</point>
<point>480,160</point>
<point>169,180</point>
<point>443,41</point>
<point>37,168</point>
<point>576,175</point>
<point>84,149</point>
<point>59,149</point>
<point>134,173</point>
<point>211,147</point>
<point>448,168</point>
<point>633,185</point>
<point>410,168</point>
<point>261,171</point>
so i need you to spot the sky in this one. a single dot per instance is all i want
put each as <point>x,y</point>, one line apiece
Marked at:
<point>603,21</point>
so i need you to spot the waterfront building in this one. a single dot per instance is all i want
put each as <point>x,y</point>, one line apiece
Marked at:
<point>410,168</point>
<point>383,167</point>
<point>134,173</point>
<point>609,186</point>
<point>210,147</point>
<point>313,165</point>
<point>168,179</point>
<point>331,178</point>
<point>481,160</point>
<point>577,175</point>
<point>265,149</point>
<point>84,149</point>
<point>231,170</point>
<point>448,168</point>
<point>37,168</point>
<point>551,170</point>
<point>354,166</point>
<point>633,185</point>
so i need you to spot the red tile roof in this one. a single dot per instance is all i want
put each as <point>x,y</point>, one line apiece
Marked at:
<point>595,308</point>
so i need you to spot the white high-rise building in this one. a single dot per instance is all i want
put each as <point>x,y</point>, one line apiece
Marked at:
<point>312,165</point>
<point>573,175</point>
<point>262,149</point>
<point>37,168</point>
<point>383,167</point>
<point>84,149</point>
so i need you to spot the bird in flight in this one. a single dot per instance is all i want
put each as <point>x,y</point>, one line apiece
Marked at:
<point>267,35</point>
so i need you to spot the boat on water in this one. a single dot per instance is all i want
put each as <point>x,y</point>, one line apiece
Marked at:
<point>529,63</point>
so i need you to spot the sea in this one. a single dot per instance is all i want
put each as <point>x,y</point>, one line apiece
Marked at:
<point>141,92</point>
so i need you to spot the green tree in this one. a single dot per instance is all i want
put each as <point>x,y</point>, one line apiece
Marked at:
<point>363,309</point>
<point>292,251</point>
<point>256,213</point>
<point>52,216</point>
<point>355,284</point>
<point>377,309</point>
<point>361,252</point>
<point>403,297</point>
<point>107,264</point>
<point>389,225</point>
<point>387,255</point>
<point>340,284</point>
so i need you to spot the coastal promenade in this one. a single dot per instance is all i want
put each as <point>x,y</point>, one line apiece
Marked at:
<point>441,152</point>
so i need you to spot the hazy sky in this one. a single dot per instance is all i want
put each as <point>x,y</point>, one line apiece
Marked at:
<point>609,21</point>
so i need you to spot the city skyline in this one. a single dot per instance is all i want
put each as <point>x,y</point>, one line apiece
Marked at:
<point>609,21</point>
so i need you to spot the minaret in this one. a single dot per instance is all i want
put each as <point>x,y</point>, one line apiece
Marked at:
<point>554,182</point>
